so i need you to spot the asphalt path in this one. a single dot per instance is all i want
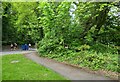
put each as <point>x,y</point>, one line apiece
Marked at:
<point>68,71</point>
<point>18,51</point>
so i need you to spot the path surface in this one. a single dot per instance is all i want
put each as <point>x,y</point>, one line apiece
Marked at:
<point>18,51</point>
<point>67,71</point>
<point>70,72</point>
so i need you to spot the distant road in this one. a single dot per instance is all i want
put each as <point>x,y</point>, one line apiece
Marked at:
<point>8,51</point>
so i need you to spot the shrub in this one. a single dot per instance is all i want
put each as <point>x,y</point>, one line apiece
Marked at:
<point>86,56</point>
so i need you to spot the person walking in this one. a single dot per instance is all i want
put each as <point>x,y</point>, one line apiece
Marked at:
<point>15,46</point>
<point>12,46</point>
<point>29,46</point>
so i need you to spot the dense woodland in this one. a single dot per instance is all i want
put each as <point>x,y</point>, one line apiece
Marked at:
<point>82,33</point>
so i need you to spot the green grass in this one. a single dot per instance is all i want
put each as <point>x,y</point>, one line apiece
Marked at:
<point>0,68</point>
<point>25,69</point>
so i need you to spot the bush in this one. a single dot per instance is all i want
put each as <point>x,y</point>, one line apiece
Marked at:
<point>102,48</point>
<point>86,55</point>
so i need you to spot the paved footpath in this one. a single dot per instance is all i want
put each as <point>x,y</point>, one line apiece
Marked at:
<point>70,72</point>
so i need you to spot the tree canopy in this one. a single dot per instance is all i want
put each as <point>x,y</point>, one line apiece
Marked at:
<point>61,23</point>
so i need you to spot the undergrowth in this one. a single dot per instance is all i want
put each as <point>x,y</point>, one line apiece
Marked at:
<point>94,57</point>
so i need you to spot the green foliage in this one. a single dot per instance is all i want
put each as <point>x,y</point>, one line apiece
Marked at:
<point>83,47</point>
<point>98,47</point>
<point>83,40</point>
<point>64,32</point>
<point>20,23</point>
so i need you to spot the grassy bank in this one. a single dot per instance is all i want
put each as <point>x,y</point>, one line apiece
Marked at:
<point>0,68</point>
<point>17,67</point>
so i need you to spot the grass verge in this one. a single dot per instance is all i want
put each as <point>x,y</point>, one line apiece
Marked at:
<point>17,67</point>
<point>0,68</point>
